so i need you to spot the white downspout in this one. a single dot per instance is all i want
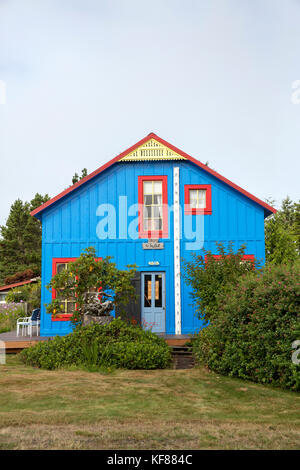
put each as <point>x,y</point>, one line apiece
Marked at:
<point>177,279</point>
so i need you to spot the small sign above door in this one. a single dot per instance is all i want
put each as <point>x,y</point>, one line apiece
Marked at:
<point>153,244</point>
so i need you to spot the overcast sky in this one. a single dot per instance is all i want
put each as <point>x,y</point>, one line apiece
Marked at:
<point>85,79</point>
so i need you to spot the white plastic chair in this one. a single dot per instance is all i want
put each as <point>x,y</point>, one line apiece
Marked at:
<point>23,324</point>
<point>28,323</point>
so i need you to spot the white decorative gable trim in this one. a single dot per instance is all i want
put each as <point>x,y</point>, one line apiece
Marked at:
<point>152,150</point>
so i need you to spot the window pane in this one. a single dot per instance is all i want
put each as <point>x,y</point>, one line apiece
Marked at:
<point>158,290</point>
<point>147,290</point>
<point>198,198</point>
<point>70,307</point>
<point>60,267</point>
<point>151,224</point>
<point>202,198</point>
<point>157,187</point>
<point>147,200</point>
<point>157,199</point>
<point>62,305</point>
<point>157,224</point>
<point>60,295</point>
<point>148,187</point>
<point>147,212</point>
<point>157,212</point>
<point>193,198</point>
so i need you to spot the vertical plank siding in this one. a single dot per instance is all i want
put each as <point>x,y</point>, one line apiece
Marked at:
<point>70,225</point>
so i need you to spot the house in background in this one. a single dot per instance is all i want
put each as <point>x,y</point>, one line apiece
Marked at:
<point>151,205</point>
<point>4,290</point>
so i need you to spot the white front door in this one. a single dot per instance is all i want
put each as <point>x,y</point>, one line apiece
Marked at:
<point>154,301</point>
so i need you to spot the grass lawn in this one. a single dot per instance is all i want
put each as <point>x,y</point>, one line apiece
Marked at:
<point>163,409</point>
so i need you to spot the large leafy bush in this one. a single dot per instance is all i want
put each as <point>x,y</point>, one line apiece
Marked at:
<point>116,344</point>
<point>209,275</point>
<point>252,335</point>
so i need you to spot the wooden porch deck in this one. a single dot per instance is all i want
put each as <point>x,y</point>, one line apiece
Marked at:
<point>15,344</point>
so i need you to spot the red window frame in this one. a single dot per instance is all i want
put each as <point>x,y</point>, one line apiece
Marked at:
<point>164,233</point>
<point>55,262</point>
<point>192,210</point>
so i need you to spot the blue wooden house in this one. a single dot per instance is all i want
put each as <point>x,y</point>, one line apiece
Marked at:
<point>152,205</point>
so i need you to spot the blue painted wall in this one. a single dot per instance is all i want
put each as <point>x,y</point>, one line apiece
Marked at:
<point>70,225</point>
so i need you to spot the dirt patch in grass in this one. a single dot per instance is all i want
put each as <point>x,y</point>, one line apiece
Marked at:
<point>151,435</point>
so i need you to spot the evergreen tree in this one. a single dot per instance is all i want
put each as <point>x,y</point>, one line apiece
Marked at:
<point>77,178</point>
<point>20,242</point>
<point>297,225</point>
<point>287,212</point>
<point>280,234</point>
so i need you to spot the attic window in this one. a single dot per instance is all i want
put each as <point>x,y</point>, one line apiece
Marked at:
<point>197,199</point>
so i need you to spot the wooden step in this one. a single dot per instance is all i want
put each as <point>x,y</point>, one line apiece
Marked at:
<point>183,362</point>
<point>177,341</point>
<point>182,357</point>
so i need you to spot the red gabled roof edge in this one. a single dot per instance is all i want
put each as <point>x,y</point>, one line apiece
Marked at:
<point>17,284</point>
<point>133,147</point>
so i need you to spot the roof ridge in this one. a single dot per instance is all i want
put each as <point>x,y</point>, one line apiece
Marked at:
<point>152,135</point>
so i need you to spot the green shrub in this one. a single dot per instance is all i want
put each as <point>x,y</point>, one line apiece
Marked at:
<point>208,276</point>
<point>252,335</point>
<point>116,344</point>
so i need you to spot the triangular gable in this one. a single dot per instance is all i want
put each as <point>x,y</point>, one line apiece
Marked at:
<point>138,152</point>
<point>152,150</point>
